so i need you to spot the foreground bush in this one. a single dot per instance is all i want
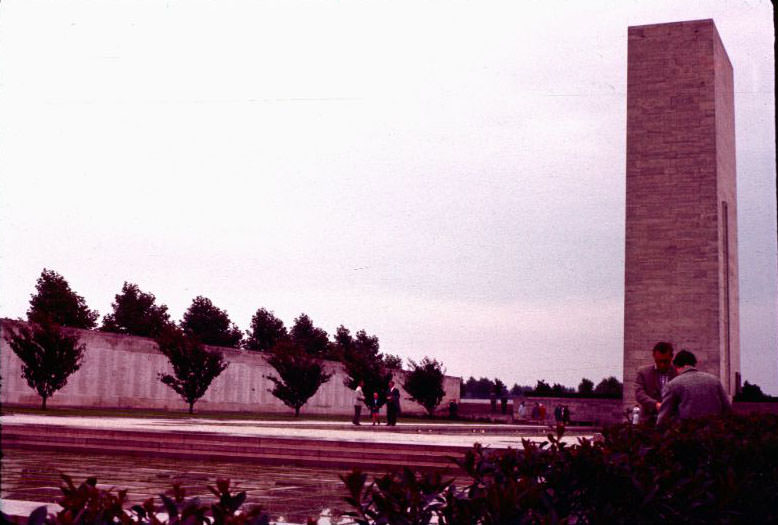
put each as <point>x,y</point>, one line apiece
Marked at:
<point>702,471</point>
<point>88,504</point>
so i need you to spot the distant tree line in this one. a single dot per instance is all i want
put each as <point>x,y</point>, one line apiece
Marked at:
<point>485,388</point>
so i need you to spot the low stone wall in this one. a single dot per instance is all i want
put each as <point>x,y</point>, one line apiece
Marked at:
<point>596,411</point>
<point>120,371</point>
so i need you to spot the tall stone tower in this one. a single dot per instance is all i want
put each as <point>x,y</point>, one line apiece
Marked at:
<point>681,277</point>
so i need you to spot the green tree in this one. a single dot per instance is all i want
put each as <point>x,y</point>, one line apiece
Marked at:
<point>266,330</point>
<point>209,324</point>
<point>609,387</point>
<point>752,392</point>
<point>362,361</point>
<point>586,387</point>
<point>478,388</point>
<point>49,356</point>
<point>543,388</point>
<point>300,374</point>
<point>517,390</point>
<point>424,383</point>
<point>499,387</point>
<point>559,389</point>
<point>311,339</point>
<point>135,313</point>
<point>194,367</point>
<point>393,362</point>
<point>56,302</point>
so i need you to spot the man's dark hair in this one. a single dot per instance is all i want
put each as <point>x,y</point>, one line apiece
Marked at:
<point>684,358</point>
<point>663,348</point>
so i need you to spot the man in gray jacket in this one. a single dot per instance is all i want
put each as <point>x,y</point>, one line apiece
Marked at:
<point>652,379</point>
<point>692,393</point>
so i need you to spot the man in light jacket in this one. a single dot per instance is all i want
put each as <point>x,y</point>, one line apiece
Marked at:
<point>359,401</point>
<point>693,393</point>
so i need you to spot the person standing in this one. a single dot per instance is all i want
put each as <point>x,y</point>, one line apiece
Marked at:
<point>522,410</point>
<point>359,400</point>
<point>375,406</point>
<point>651,380</point>
<point>692,393</point>
<point>392,404</point>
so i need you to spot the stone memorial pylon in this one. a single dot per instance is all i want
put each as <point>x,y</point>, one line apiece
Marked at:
<point>681,271</point>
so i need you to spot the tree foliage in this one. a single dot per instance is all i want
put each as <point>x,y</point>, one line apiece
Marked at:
<point>56,302</point>
<point>586,387</point>
<point>424,383</point>
<point>751,392</point>
<point>393,362</point>
<point>209,324</point>
<point>194,367</point>
<point>135,313</point>
<point>609,387</point>
<point>266,330</point>
<point>311,339</point>
<point>478,388</point>
<point>300,374</point>
<point>362,361</point>
<point>499,387</point>
<point>542,388</point>
<point>49,356</point>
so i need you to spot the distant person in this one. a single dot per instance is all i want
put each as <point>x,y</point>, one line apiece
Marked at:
<point>392,404</point>
<point>634,415</point>
<point>558,414</point>
<point>375,406</point>
<point>522,410</point>
<point>651,380</point>
<point>692,393</point>
<point>359,400</point>
<point>542,412</point>
<point>565,415</point>
<point>535,414</point>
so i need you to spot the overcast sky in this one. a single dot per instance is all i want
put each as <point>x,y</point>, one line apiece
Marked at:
<point>448,176</point>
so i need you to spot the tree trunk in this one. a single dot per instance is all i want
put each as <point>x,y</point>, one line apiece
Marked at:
<point>191,407</point>
<point>296,411</point>
<point>43,404</point>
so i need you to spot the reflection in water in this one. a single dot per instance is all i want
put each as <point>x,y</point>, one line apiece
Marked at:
<point>288,494</point>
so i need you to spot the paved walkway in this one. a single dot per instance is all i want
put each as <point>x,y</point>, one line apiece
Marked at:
<point>455,434</point>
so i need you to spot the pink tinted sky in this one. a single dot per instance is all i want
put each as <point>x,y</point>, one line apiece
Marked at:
<point>446,175</point>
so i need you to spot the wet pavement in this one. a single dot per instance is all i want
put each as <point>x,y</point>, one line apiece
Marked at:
<point>288,494</point>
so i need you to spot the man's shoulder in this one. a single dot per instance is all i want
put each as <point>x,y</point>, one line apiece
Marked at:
<point>692,376</point>
<point>646,370</point>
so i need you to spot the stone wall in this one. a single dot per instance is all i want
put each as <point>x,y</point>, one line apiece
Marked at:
<point>596,411</point>
<point>121,371</point>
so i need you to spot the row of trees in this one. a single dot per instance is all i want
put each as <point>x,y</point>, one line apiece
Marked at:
<point>49,354</point>
<point>485,388</point>
<point>135,312</point>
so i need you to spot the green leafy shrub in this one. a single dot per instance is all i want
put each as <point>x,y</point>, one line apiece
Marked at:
<point>88,504</point>
<point>698,471</point>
